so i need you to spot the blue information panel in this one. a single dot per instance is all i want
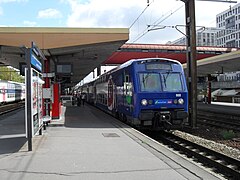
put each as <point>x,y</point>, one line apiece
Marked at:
<point>36,63</point>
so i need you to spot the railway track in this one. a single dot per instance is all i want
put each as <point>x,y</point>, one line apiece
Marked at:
<point>4,109</point>
<point>220,163</point>
<point>224,121</point>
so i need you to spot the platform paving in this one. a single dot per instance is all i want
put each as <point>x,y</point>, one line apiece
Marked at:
<point>89,144</point>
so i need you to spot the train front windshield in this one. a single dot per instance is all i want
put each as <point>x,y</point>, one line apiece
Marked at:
<point>155,82</point>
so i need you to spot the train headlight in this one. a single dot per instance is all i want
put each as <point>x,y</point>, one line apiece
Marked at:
<point>175,101</point>
<point>180,101</point>
<point>150,102</point>
<point>144,102</point>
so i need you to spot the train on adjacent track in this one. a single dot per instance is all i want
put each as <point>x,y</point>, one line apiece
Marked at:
<point>229,76</point>
<point>148,93</point>
<point>11,92</point>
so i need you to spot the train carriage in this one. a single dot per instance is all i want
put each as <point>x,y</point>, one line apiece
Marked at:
<point>147,93</point>
<point>11,91</point>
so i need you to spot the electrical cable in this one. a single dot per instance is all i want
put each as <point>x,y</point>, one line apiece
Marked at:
<point>145,31</point>
<point>141,13</point>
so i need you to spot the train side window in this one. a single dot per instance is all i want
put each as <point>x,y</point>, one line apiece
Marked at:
<point>126,78</point>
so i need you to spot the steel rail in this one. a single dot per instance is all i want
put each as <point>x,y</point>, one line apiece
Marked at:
<point>4,109</point>
<point>230,122</point>
<point>225,165</point>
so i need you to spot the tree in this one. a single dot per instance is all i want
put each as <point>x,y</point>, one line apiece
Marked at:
<point>10,74</point>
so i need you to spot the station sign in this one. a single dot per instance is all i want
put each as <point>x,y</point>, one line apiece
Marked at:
<point>34,101</point>
<point>36,63</point>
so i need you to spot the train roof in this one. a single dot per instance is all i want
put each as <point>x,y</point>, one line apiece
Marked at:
<point>129,62</point>
<point>6,81</point>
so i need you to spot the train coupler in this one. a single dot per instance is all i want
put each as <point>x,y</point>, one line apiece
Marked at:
<point>162,119</point>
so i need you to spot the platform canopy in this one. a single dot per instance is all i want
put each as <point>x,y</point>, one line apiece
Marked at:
<point>84,48</point>
<point>228,62</point>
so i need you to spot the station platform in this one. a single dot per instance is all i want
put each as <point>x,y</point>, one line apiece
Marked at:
<point>224,108</point>
<point>86,143</point>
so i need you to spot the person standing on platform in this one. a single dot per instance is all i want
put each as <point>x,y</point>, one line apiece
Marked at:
<point>79,98</point>
<point>83,98</point>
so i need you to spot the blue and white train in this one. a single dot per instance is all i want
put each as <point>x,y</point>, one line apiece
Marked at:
<point>11,92</point>
<point>229,76</point>
<point>147,93</point>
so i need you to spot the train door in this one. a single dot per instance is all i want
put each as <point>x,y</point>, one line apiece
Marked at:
<point>87,98</point>
<point>118,91</point>
<point>94,94</point>
<point>10,92</point>
<point>2,94</point>
<point>110,98</point>
<point>18,90</point>
<point>127,92</point>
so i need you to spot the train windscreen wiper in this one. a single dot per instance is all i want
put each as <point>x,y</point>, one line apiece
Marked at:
<point>144,79</point>
<point>165,78</point>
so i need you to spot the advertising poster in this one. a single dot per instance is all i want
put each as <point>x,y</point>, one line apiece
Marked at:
<point>40,100</point>
<point>37,114</point>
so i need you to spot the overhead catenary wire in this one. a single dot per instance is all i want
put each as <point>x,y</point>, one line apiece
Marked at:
<point>147,30</point>
<point>156,23</point>
<point>148,4</point>
<point>171,13</point>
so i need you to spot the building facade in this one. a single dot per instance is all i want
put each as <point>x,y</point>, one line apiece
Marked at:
<point>228,25</point>
<point>205,37</point>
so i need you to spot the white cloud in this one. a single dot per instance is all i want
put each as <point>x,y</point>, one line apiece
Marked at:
<point>206,12</point>
<point>102,13</point>
<point>49,13</point>
<point>29,23</point>
<point>115,13</point>
<point>122,13</point>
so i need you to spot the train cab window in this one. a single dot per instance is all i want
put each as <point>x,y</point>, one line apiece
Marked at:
<point>172,82</point>
<point>150,82</point>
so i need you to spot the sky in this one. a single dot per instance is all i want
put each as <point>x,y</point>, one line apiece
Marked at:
<point>111,14</point>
